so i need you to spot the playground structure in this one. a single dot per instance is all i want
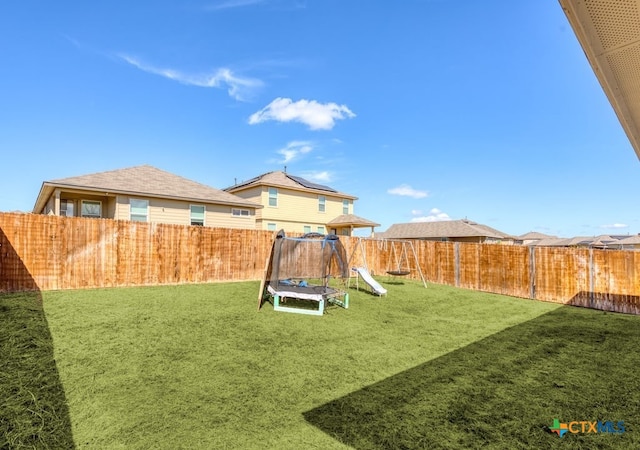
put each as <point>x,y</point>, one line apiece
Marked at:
<point>307,270</point>
<point>363,272</point>
<point>402,260</point>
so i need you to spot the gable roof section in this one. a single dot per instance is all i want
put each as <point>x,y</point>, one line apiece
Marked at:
<point>442,229</point>
<point>145,180</point>
<point>285,180</point>
<point>534,235</point>
<point>549,242</point>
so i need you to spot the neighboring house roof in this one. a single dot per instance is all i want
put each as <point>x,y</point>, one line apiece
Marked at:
<point>441,229</point>
<point>285,180</point>
<point>352,220</point>
<point>549,242</point>
<point>534,235</point>
<point>631,240</point>
<point>145,181</point>
<point>573,241</point>
<point>604,240</point>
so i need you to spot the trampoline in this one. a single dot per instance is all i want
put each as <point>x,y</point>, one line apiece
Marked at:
<point>311,268</point>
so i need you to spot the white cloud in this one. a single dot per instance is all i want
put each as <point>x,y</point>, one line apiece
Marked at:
<point>405,190</point>
<point>320,177</point>
<point>233,4</point>
<point>435,215</point>
<point>294,149</point>
<point>615,225</point>
<point>317,116</point>
<point>238,87</point>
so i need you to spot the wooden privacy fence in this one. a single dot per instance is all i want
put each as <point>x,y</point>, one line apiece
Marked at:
<point>600,279</point>
<point>53,252</point>
<point>49,252</point>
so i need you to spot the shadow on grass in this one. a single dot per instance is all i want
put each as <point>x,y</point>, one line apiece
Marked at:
<point>504,391</point>
<point>33,406</point>
<point>394,282</point>
<point>366,291</point>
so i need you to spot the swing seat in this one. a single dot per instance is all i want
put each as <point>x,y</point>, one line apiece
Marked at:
<point>398,273</point>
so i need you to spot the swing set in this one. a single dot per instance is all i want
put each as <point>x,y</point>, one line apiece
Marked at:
<point>399,261</point>
<point>402,259</point>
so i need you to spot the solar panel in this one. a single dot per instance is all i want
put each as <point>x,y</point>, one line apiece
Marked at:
<point>310,185</point>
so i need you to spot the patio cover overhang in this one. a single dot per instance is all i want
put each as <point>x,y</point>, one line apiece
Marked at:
<point>352,221</point>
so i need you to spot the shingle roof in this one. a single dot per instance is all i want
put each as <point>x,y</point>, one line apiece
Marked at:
<point>150,181</point>
<point>439,229</point>
<point>535,235</point>
<point>604,240</point>
<point>283,179</point>
<point>352,219</point>
<point>550,242</point>
<point>635,239</point>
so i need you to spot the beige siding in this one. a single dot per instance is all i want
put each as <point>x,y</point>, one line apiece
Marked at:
<point>160,210</point>
<point>297,209</point>
<point>179,213</point>
<point>109,207</point>
<point>220,216</point>
<point>50,206</point>
<point>256,195</point>
<point>121,208</point>
<point>292,227</point>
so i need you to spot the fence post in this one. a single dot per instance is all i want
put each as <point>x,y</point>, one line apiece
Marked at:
<point>456,263</point>
<point>532,272</point>
<point>591,285</point>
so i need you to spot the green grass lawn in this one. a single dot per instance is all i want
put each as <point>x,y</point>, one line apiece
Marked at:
<point>199,367</point>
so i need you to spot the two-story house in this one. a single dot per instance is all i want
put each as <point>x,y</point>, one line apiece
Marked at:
<point>298,205</point>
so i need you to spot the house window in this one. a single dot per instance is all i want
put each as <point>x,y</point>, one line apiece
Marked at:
<point>321,203</point>
<point>273,197</point>
<point>321,230</point>
<point>91,208</point>
<point>345,206</point>
<point>138,210</point>
<point>307,228</point>
<point>271,227</point>
<point>66,208</point>
<point>197,215</point>
<point>240,212</point>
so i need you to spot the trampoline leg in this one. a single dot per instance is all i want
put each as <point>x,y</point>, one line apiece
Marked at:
<point>278,307</point>
<point>346,300</point>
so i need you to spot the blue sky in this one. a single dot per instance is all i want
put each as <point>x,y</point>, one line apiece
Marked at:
<point>423,109</point>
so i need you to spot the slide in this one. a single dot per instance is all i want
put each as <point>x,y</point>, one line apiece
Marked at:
<point>366,276</point>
